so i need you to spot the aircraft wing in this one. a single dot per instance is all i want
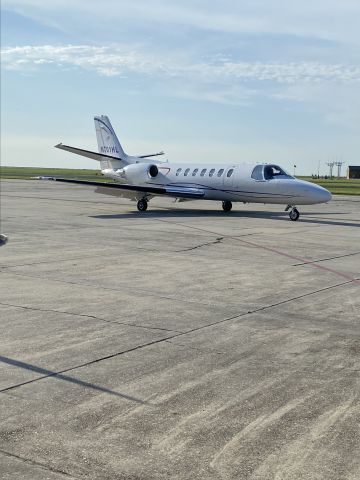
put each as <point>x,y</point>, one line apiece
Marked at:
<point>137,191</point>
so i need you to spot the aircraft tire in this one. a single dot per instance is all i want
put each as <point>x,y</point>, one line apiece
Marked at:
<point>227,206</point>
<point>294,214</point>
<point>142,205</point>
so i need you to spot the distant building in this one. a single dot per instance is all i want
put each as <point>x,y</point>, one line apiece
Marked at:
<point>353,171</point>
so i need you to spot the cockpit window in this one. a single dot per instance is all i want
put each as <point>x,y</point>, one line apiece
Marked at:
<point>273,171</point>
<point>257,173</point>
<point>269,172</point>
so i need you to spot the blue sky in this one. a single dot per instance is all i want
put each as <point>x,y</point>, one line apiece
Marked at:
<point>206,81</point>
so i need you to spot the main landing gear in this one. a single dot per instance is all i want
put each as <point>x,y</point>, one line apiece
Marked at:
<point>142,205</point>
<point>294,213</point>
<point>227,205</point>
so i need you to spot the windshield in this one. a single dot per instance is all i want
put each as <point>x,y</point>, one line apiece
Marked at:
<point>269,172</point>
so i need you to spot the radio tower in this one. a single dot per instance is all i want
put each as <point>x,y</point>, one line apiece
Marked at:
<point>331,166</point>
<point>338,164</point>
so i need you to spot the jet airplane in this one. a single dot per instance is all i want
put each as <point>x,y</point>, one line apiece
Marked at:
<point>142,177</point>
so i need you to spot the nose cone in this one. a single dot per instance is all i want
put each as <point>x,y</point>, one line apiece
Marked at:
<point>311,193</point>
<point>324,195</point>
<point>320,194</point>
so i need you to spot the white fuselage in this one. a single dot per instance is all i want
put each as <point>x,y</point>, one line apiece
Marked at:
<point>229,183</point>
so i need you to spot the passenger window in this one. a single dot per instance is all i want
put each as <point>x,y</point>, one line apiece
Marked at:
<point>212,171</point>
<point>230,172</point>
<point>203,171</point>
<point>186,172</point>
<point>178,171</point>
<point>195,172</point>
<point>220,172</point>
<point>257,173</point>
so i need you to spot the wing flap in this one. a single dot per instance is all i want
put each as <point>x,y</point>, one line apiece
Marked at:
<point>184,192</point>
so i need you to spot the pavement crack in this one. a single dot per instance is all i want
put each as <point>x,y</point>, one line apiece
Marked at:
<point>268,249</point>
<point>214,242</point>
<point>60,373</point>
<point>35,463</point>
<point>127,324</point>
<point>201,350</point>
<point>325,259</point>
<point>42,262</point>
<point>121,288</point>
<point>349,282</point>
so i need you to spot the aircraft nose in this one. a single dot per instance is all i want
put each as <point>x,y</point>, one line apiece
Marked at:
<point>327,195</point>
<point>321,194</point>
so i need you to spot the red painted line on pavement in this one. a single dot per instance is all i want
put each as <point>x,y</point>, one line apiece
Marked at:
<point>303,260</point>
<point>274,250</point>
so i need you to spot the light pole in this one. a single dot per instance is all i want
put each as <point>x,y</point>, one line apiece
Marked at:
<point>331,166</point>
<point>338,164</point>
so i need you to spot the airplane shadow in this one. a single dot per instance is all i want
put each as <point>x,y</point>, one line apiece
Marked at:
<point>324,222</point>
<point>60,376</point>
<point>182,213</point>
<point>191,213</point>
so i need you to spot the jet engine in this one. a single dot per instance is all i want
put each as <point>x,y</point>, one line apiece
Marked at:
<point>139,172</point>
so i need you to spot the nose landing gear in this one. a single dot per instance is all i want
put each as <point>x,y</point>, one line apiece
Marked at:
<point>142,205</point>
<point>294,213</point>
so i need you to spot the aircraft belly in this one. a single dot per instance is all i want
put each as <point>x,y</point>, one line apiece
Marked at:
<point>212,194</point>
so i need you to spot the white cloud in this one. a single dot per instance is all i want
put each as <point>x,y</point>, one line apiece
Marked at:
<point>258,55</point>
<point>329,89</point>
<point>120,60</point>
<point>335,20</point>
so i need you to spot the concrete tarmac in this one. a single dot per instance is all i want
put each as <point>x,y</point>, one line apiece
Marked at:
<point>180,343</point>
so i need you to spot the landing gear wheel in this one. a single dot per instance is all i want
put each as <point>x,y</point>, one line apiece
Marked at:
<point>227,206</point>
<point>142,205</point>
<point>294,214</point>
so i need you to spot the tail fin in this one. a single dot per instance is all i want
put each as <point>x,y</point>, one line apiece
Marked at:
<point>108,142</point>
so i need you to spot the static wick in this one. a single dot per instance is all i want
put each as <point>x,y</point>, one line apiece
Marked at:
<point>3,239</point>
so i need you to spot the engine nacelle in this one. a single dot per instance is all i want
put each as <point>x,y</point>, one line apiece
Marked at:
<point>139,172</point>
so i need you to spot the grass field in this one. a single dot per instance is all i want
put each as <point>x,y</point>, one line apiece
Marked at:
<point>27,173</point>
<point>340,186</point>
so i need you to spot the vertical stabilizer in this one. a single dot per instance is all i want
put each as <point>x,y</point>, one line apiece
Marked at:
<point>108,142</point>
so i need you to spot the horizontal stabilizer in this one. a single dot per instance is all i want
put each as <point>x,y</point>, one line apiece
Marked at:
<point>151,155</point>
<point>86,153</point>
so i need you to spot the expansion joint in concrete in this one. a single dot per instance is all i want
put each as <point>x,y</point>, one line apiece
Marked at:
<point>38,464</point>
